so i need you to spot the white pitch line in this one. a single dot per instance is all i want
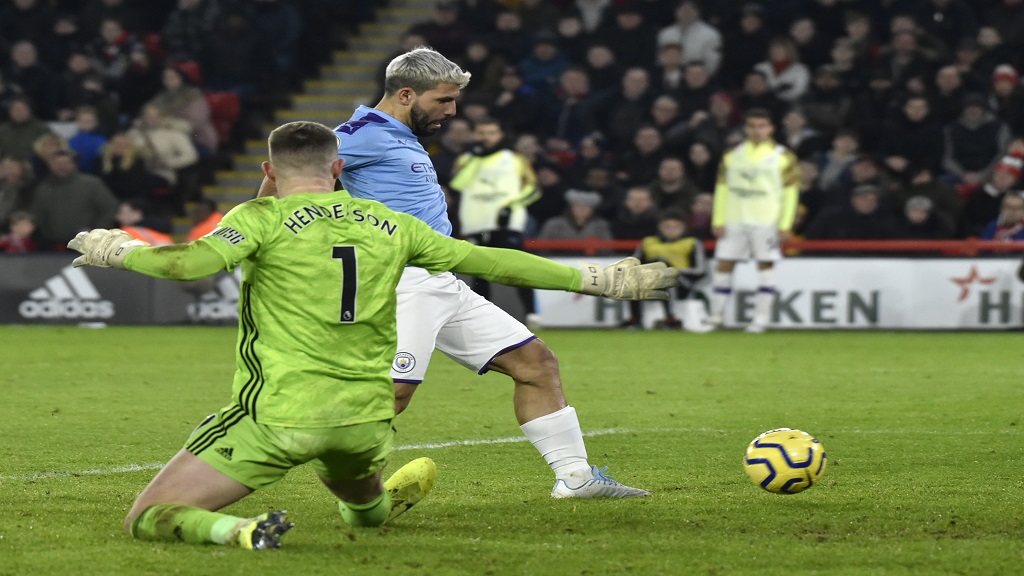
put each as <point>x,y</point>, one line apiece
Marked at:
<point>509,440</point>
<point>515,439</point>
<point>99,472</point>
<point>427,446</point>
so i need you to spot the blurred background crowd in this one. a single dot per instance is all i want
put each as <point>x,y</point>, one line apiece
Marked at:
<point>117,112</point>
<point>907,115</point>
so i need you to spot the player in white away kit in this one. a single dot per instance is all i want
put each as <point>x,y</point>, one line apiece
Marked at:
<point>384,161</point>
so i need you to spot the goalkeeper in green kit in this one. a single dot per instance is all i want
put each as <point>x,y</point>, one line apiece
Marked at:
<point>319,270</point>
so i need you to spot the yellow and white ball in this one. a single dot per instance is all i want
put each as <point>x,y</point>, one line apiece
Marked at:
<point>785,461</point>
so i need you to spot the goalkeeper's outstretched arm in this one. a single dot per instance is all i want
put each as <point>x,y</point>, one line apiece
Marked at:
<point>626,279</point>
<point>116,249</point>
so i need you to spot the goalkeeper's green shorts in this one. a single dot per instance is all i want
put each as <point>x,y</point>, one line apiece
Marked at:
<point>257,455</point>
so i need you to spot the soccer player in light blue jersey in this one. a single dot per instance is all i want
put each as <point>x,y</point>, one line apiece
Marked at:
<point>385,161</point>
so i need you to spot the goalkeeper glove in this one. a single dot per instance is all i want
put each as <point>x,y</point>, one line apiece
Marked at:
<point>627,279</point>
<point>103,248</point>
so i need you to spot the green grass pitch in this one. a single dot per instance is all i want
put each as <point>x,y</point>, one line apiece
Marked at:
<point>923,433</point>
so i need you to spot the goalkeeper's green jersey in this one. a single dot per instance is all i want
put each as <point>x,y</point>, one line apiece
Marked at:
<point>317,307</point>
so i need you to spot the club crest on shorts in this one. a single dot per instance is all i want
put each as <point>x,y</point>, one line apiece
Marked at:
<point>404,362</point>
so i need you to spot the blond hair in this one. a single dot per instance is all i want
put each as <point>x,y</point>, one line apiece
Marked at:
<point>422,69</point>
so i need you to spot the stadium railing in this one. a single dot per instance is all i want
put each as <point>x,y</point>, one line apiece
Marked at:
<point>966,247</point>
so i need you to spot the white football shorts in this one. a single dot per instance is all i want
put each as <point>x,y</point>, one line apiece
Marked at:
<point>758,242</point>
<point>440,311</point>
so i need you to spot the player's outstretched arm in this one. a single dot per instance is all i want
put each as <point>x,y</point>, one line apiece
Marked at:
<point>116,249</point>
<point>626,279</point>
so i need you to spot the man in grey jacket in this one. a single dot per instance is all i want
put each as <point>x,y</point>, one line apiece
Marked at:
<point>67,202</point>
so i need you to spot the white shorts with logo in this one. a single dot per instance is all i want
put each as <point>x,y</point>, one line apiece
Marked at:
<point>440,311</point>
<point>749,242</point>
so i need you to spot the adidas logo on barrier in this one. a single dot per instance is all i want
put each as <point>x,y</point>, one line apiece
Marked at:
<point>220,303</point>
<point>69,294</point>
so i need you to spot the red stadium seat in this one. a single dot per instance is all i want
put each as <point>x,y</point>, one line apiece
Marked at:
<point>224,111</point>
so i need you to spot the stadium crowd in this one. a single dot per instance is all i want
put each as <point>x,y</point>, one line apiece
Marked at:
<point>907,115</point>
<point>115,112</point>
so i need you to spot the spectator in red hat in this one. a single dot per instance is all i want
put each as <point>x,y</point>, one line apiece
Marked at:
<point>1008,97</point>
<point>1006,76</point>
<point>984,205</point>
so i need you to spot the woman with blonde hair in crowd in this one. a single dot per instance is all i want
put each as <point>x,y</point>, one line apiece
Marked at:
<point>122,167</point>
<point>45,147</point>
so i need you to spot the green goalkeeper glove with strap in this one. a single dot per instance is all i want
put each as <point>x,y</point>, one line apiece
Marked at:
<point>103,248</point>
<point>627,279</point>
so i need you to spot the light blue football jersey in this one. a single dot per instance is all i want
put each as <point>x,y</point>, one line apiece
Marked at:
<point>384,161</point>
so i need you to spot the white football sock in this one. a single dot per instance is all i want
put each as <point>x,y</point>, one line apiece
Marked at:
<point>765,296</point>
<point>721,289</point>
<point>559,439</point>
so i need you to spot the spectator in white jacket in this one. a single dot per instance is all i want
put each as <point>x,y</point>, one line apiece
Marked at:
<point>701,41</point>
<point>786,75</point>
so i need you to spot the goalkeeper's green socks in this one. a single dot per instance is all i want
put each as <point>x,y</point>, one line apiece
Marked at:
<point>179,523</point>
<point>373,513</point>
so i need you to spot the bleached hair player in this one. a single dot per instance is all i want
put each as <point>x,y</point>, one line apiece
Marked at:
<point>385,161</point>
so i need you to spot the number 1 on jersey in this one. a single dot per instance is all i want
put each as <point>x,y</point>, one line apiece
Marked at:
<point>349,281</point>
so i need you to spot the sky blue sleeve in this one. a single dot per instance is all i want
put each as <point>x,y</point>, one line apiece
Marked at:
<point>360,142</point>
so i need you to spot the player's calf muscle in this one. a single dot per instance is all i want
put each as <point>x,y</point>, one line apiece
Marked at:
<point>533,363</point>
